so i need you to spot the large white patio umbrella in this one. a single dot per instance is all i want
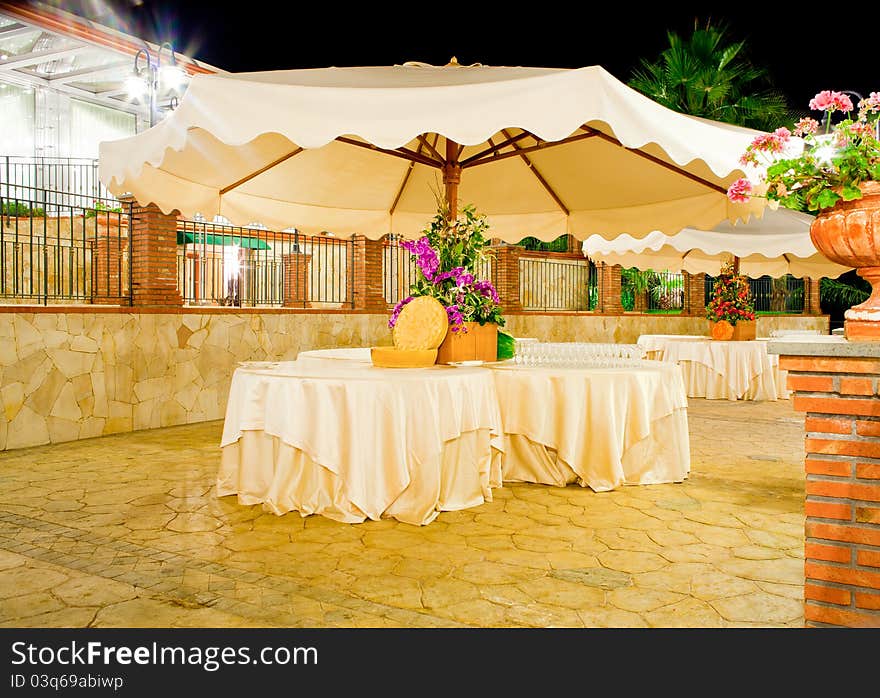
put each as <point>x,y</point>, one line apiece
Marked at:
<point>541,151</point>
<point>776,244</point>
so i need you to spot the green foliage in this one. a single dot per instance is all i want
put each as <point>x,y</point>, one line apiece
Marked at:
<point>506,345</point>
<point>99,207</point>
<point>842,293</point>
<point>560,244</point>
<point>709,75</point>
<point>831,167</point>
<point>449,257</point>
<point>21,209</point>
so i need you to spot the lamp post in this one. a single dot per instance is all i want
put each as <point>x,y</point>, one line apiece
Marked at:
<point>150,81</point>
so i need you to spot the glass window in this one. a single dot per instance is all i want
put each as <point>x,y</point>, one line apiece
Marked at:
<point>17,117</point>
<point>90,124</point>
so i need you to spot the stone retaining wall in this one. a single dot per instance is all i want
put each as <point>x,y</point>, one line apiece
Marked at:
<point>85,372</point>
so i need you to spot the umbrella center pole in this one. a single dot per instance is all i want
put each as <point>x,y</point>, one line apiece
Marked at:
<point>451,178</point>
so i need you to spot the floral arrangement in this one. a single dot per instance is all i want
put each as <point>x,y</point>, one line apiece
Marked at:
<point>731,298</point>
<point>447,257</point>
<point>832,164</point>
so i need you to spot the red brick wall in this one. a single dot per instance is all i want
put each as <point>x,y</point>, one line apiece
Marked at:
<point>694,294</point>
<point>507,276</point>
<point>154,257</point>
<point>108,270</point>
<point>368,293</point>
<point>296,280</point>
<point>842,549</point>
<point>812,304</point>
<point>609,289</point>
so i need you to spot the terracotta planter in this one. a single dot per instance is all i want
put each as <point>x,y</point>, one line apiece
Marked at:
<point>849,234</point>
<point>479,343</point>
<point>743,330</point>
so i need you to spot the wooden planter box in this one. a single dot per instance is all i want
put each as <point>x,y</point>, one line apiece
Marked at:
<point>743,331</point>
<point>479,343</point>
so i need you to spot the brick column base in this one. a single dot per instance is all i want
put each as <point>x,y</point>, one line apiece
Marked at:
<point>609,289</point>
<point>812,300</point>
<point>367,257</point>
<point>153,240</point>
<point>296,280</point>
<point>108,270</point>
<point>694,294</point>
<point>507,276</point>
<point>842,424</point>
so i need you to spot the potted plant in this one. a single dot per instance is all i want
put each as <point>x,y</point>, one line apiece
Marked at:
<point>447,257</point>
<point>837,176</point>
<point>730,312</point>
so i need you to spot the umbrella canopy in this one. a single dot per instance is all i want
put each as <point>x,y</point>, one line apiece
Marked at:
<point>367,150</point>
<point>776,244</point>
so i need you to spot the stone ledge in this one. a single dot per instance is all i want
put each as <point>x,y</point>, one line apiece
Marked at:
<point>831,346</point>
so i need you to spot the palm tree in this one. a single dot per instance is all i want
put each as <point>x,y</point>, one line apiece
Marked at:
<point>709,75</point>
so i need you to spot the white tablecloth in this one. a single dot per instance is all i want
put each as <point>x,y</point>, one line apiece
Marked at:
<point>721,369</point>
<point>600,427</point>
<point>352,441</point>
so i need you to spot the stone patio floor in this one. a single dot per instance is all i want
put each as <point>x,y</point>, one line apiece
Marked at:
<point>125,531</point>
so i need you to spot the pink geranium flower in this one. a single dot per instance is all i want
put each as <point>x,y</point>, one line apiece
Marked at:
<point>739,192</point>
<point>830,101</point>
<point>806,126</point>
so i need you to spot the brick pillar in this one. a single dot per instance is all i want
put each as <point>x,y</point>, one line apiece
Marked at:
<point>640,301</point>
<point>296,280</point>
<point>694,294</point>
<point>812,302</point>
<point>507,276</point>
<point>368,292</point>
<point>838,393</point>
<point>108,269</point>
<point>153,240</point>
<point>609,289</point>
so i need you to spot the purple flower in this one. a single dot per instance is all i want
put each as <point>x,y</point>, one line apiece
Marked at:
<point>396,312</point>
<point>487,289</point>
<point>426,256</point>
<point>456,319</point>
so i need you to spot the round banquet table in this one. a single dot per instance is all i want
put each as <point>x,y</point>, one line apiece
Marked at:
<point>721,370</point>
<point>598,427</point>
<point>353,442</point>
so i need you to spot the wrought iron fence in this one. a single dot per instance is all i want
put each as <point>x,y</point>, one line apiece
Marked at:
<point>55,183</point>
<point>781,295</point>
<point>665,291</point>
<point>399,270</point>
<point>245,266</point>
<point>557,284</point>
<point>73,252</point>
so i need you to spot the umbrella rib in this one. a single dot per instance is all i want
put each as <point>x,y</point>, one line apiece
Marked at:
<point>541,146</point>
<point>257,173</point>
<point>538,175</point>
<point>655,160</point>
<point>409,170</point>
<point>424,141</point>
<point>404,153</point>
<point>494,148</point>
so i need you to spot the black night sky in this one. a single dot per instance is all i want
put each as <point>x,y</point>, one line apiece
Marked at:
<point>804,53</point>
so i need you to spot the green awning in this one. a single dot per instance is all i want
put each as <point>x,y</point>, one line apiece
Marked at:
<point>189,238</point>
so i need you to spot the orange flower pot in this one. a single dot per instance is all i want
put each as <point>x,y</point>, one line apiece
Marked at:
<point>849,234</point>
<point>479,343</point>
<point>742,331</point>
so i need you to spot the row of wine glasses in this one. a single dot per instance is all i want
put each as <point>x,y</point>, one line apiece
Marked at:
<point>575,353</point>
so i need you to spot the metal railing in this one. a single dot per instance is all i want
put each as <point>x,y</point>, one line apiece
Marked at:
<point>665,291</point>
<point>781,295</point>
<point>56,183</point>
<point>242,266</point>
<point>73,252</point>
<point>399,270</point>
<point>557,284</point>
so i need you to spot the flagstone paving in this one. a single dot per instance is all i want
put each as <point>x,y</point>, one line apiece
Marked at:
<point>126,531</point>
